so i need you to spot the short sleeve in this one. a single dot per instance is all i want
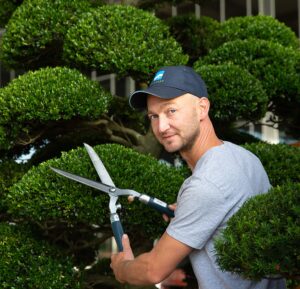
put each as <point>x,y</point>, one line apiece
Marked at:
<point>201,209</point>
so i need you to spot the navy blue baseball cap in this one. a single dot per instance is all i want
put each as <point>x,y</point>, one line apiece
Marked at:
<point>170,82</point>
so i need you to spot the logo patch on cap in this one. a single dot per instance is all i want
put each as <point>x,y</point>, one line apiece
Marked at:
<point>159,75</point>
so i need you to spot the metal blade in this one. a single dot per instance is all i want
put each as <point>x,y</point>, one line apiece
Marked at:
<point>96,185</point>
<point>103,175</point>
<point>99,166</point>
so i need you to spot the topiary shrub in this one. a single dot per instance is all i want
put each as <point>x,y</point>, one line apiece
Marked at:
<point>262,238</point>
<point>30,263</point>
<point>258,27</point>
<point>234,93</point>
<point>197,36</point>
<point>281,161</point>
<point>43,195</point>
<point>38,100</point>
<point>265,61</point>
<point>35,32</point>
<point>122,39</point>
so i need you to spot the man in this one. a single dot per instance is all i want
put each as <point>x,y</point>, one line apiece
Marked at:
<point>223,176</point>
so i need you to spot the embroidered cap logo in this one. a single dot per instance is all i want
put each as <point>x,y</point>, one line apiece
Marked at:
<point>159,75</point>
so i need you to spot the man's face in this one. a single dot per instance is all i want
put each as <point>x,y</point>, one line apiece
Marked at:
<point>175,122</point>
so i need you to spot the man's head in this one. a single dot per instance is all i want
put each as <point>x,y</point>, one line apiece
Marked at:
<point>170,82</point>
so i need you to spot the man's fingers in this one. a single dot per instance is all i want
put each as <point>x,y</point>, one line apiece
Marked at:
<point>173,208</point>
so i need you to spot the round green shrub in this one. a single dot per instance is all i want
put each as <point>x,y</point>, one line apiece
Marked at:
<point>265,60</point>
<point>30,263</point>
<point>122,39</point>
<point>40,97</point>
<point>234,93</point>
<point>262,239</point>
<point>258,27</point>
<point>197,36</point>
<point>43,195</point>
<point>35,32</point>
<point>281,161</point>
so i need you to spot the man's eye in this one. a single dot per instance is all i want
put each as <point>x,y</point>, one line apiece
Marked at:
<point>152,116</point>
<point>172,111</point>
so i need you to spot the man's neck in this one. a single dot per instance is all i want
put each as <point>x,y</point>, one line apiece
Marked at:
<point>206,140</point>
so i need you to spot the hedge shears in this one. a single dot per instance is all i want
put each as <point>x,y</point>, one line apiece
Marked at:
<point>107,185</point>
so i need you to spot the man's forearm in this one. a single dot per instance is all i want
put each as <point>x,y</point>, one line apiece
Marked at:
<point>140,271</point>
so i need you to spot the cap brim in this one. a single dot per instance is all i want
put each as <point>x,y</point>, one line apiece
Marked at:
<point>138,99</point>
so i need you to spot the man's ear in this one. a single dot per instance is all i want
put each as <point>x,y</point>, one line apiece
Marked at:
<point>204,106</point>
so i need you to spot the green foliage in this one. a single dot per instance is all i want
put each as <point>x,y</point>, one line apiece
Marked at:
<point>122,39</point>
<point>30,263</point>
<point>43,195</point>
<point>10,173</point>
<point>197,36</point>
<point>7,7</point>
<point>258,27</point>
<point>31,102</point>
<point>152,4</point>
<point>262,239</point>
<point>281,162</point>
<point>35,32</point>
<point>234,93</point>
<point>265,60</point>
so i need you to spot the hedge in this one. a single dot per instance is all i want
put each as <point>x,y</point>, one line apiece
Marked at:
<point>233,92</point>
<point>35,32</point>
<point>43,195</point>
<point>258,27</point>
<point>36,98</point>
<point>281,161</point>
<point>122,39</point>
<point>265,60</point>
<point>197,36</point>
<point>28,263</point>
<point>262,238</point>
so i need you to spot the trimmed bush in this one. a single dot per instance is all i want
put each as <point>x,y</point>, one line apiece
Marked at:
<point>265,60</point>
<point>43,195</point>
<point>281,162</point>
<point>35,99</point>
<point>30,263</point>
<point>122,39</point>
<point>234,93</point>
<point>258,27</point>
<point>262,239</point>
<point>35,32</point>
<point>197,36</point>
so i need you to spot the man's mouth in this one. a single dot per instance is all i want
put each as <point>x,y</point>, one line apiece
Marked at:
<point>166,137</point>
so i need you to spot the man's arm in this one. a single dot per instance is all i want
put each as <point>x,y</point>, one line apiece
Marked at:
<point>151,267</point>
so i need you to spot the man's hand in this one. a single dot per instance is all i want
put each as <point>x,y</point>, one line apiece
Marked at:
<point>173,208</point>
<point>120,260</point>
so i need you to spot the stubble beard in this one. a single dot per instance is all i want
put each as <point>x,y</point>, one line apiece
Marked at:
<point>187,143</point>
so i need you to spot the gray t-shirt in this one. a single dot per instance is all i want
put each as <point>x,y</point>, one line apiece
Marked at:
<point>224,177</point>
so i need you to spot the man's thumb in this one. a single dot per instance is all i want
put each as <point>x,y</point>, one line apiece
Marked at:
<point>126,246</point>
<point>126,242</point>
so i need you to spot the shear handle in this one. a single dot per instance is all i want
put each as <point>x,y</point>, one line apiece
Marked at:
<point>157,204</point>
<point>117,230</point>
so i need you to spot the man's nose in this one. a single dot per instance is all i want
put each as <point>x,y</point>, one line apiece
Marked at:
<point>163,124</point>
